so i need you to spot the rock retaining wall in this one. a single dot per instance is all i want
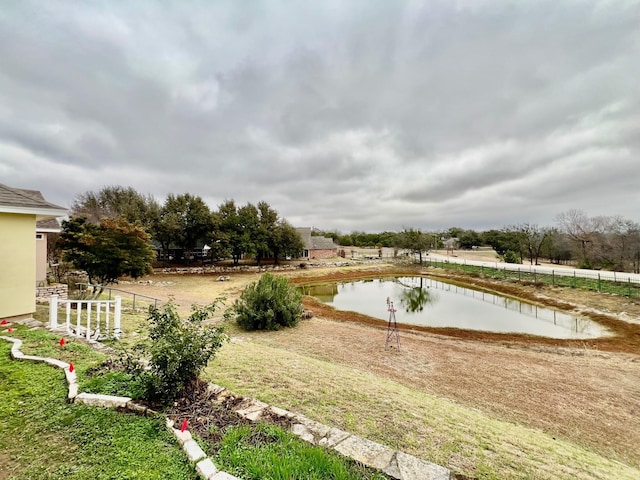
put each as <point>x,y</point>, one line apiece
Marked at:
<point>44,293</point>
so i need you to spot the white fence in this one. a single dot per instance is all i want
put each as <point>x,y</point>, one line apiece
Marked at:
<point>93,319</point>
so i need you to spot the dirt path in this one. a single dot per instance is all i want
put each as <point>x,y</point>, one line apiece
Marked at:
<point>588,392</point>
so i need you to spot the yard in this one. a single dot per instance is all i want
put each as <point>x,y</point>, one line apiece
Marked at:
<point>484,405</point>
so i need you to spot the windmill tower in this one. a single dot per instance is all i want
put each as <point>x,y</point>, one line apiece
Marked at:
<point>392,327</point>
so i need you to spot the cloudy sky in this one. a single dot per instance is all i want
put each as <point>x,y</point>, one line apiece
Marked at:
<point>368,115</point>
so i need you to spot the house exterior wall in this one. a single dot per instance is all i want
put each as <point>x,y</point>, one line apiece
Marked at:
<point>322,254</point>
<point>17,265</point>
<point>41,257</point>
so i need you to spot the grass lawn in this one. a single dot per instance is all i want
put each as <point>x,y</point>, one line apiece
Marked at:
<point>435,429</point>
<point>44,437</point>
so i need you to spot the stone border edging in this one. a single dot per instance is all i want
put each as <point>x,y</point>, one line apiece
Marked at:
<point>203,464</point>
<point>394,463</point>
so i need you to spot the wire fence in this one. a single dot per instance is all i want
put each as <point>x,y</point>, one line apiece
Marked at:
<point>129,299</point>
<point>607,282</point>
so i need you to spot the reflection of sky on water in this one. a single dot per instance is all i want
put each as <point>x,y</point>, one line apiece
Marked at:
<point>448,305</point>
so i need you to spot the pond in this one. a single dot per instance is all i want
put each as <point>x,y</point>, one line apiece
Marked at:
<point>427,302</point>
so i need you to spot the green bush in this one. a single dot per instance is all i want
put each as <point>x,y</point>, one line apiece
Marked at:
<point>268,304</point>
<point>177,350</point>
<point>511,257</point>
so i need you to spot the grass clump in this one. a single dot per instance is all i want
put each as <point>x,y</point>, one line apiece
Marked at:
<point>265,451</point>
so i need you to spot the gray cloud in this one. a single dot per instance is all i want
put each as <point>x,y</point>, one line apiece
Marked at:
<point>350,115</point>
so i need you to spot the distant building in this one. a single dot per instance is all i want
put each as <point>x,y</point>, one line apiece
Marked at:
<point>20,210</point>
<point>316,247</point>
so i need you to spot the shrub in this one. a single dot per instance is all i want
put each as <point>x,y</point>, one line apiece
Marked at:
<point>177,351</point>
<point>511,257</point>
<point>268,304</point>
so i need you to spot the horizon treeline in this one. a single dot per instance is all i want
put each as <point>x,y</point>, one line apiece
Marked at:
<point>600,242</point>
<point>185,222</point>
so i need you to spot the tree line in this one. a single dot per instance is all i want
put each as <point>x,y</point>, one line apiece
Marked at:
<point>184,222</point>
<point>601,242</point>
<point>105,220</point>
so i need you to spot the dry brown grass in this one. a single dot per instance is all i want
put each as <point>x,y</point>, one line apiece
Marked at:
<point>491,406</point>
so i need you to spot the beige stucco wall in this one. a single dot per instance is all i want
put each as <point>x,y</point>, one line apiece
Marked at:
<point>17,264</point>
<point>41,257</point>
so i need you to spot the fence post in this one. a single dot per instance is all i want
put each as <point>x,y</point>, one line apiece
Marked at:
<point>116,317</point>
<point>53,312</point>
<point>88,332</point>
<point>553,280</point>
<point>134,302</point>
<point>599,288</point>
<point>629,287</point>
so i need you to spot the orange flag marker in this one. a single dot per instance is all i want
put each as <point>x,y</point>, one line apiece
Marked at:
<point>71,367</point>
<point>62,342</point>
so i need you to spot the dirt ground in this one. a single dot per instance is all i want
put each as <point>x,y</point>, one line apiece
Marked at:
<point>584,391</point>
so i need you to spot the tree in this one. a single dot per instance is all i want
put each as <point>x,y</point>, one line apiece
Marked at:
<point>116,201</point>
<point>108,250</point>
<point>469,238</point>
<point>579,228</point>
<point>532,238</point>
<point>503,241</point>
<point>557,247</point>
<point>265,233</point>
<point>415,241</point>
<point>184,221</point>
<point>286,241</point>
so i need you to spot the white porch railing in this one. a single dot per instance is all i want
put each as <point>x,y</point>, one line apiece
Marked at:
<point>93,319</point>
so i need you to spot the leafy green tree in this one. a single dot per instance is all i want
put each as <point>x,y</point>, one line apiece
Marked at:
<point>285,241</point>
<point>116,201</point>
<point>184,221</point>
<point>502,241</point>
<point>108,250</point>
<point>415,241</point>
<point>265,234</point>
<point>269,304</point>
<point>469,238</point>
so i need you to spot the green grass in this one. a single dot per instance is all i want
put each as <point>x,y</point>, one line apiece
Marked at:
<point>44,437</point>
<point>264,451</point>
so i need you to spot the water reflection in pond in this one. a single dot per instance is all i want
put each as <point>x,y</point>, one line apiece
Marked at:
<point>424,301</point>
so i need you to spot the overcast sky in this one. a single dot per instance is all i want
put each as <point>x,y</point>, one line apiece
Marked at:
<point>349,115</point>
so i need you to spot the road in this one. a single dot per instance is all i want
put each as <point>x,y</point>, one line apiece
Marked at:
<point>559,270</point>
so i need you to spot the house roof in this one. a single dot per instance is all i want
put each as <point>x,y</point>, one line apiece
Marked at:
<point>305,234</point>
<point>28,202</point>
<point>315,243</point>
<point>50,225</point>
<point>322,243</point>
